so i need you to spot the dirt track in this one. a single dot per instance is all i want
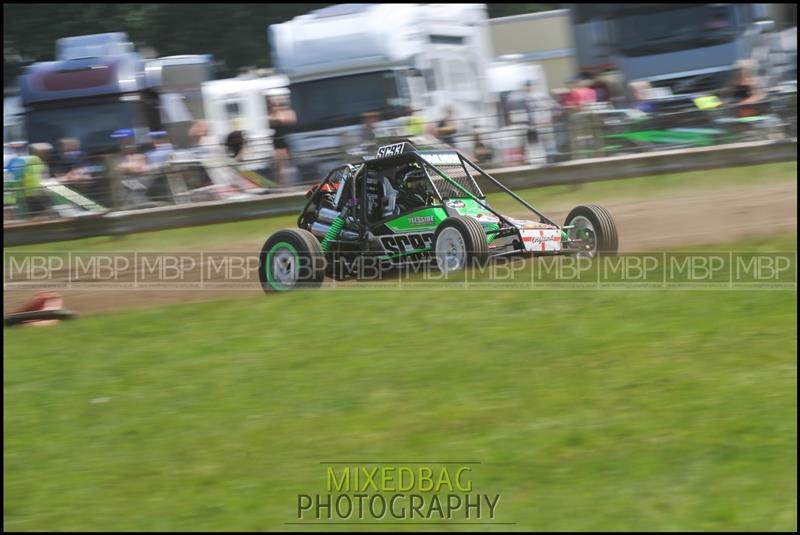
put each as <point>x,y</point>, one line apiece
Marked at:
<point>659,222</point>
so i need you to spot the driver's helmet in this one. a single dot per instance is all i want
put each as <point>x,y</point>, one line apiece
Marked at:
<point>414,178</point>
<point>413,191</point>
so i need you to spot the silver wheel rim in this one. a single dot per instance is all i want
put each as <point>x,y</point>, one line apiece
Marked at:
<point>284,267</point>
<point>451,252</point>
<point>582,225</point>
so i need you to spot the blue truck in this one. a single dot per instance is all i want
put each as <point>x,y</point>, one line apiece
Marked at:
<point>687,48</point>
<point>99,85</point>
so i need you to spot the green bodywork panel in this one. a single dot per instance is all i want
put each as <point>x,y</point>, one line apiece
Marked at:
<point>472,208</point>
<point>430,217</point>
<point>427,218</point>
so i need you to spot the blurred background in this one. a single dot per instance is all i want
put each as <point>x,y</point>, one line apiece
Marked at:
<point>107,108</point>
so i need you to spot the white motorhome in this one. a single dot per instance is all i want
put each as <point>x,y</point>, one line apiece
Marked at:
<point>350,59</point>
<point>243,104</point>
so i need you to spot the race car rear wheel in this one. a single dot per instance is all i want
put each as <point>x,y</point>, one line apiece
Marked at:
<point>460,241</point>
<point>291,258</point>
<point>594,229</point>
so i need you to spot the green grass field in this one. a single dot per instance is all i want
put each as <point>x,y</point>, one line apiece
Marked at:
<point>668,410</point>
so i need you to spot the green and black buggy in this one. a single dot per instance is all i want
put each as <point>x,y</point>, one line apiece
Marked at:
<point>412,207</point>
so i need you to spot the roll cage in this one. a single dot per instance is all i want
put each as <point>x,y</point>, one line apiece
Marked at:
<point>449,174</point>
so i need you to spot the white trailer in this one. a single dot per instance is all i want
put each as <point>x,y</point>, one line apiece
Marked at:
<point>242,104</point>
<point>350,59</point>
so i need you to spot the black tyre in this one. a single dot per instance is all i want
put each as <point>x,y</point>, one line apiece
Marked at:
<point>595,228</point>
<point>291,258</point>
<point>460,241</point>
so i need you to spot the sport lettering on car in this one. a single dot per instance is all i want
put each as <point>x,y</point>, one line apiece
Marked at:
<point>398,244</point>
<point>421,220</point>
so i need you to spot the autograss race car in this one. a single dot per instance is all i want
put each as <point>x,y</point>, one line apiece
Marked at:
<point>412,207</point>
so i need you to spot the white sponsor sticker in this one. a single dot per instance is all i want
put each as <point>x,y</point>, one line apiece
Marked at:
<point>541,239</point>
<point>442,158</point>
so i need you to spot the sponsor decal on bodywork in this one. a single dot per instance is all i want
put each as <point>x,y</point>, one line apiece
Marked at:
<point>391,150</point>
<point>441,158</point>
<point>421,220</point>
<point>398,244</point>
<point>541,239</point>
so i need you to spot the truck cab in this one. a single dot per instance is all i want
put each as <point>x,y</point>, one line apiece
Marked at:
<point>99,84</point>
<point>348,60</point>
<point>687,48</point>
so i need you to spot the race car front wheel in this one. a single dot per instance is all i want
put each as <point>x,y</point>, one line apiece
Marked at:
<point>291,258</point>
<point>460,241</point>
<point>593,230</point>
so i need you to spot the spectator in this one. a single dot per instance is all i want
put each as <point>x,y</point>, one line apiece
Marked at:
<point>14,176</point>
<point>200,138</point>
<point>234,144</point>
<point>368,120</point>
<point>37,200</point>
<point>480,151</point>
<point>599,86</point>
<point>446,128</point>
<point>162,150</point>
<point>16,165</point>
<point>639,94</point>
<point>203,144</point>
<point>73,164</point>
<point>747,89</point>
<point>416,123</point>
<point>281,120</point>
<point>133,162</point>
<point>532,105</point>
<point>579,95</point>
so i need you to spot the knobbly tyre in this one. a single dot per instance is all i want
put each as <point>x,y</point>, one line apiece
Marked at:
<point>413,207</point>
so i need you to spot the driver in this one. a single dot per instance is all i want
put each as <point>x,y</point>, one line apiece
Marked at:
<point>413,191</point>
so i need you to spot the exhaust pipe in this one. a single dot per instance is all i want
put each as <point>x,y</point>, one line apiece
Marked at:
<point>326,215</point>
<point>321,229</point>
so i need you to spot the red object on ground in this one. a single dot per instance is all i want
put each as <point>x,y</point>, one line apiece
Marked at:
<point>43,301</point>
